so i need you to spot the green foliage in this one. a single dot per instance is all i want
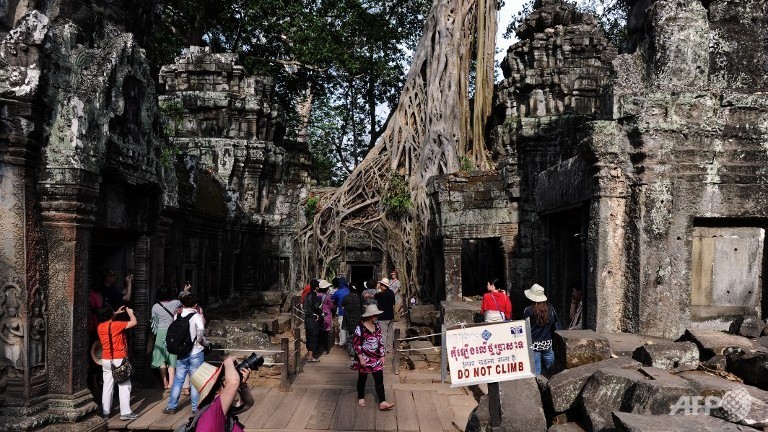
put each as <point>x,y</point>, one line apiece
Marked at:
<point>351,54</point>
<point>310,208</point>
<point>396,197</point>
<point>171,116</point>
<point>465,164</point>
<point>168,155</point>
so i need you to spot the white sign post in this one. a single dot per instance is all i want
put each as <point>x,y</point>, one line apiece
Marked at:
<point>488,353</point>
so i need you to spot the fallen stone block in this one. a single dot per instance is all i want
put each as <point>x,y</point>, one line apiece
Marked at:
<point>566,427</point>
<point>711,343</point>
<point>458,312</point>
<point>521,406</point>
<point>625,344</point>
<point>425,351</point>
<point>424,315</point>
<point>745,404</point>
<point>628,422</point>
<point>659,394</point>
<point>606,391</point>
<point>761,343</point>
<point>579,347</point>
<point>284,322</point>
<point>673,356</point>
<point>480,418</point>
<point>717,363</point>
<point>565,387</point>
<point>752,367</point>
<point>748,326</point>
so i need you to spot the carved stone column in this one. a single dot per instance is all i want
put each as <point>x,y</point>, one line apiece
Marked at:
<point>140,299</point>
<point>607,252</point>
<point>452,258</point>
<point>68,197</point>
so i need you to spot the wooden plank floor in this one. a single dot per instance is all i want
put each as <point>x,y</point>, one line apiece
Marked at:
<point>324,398</point>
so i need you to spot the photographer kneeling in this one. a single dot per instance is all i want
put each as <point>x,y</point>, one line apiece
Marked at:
<point>217,395</point>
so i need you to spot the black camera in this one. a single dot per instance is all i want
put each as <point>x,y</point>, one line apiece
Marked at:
<point>252,362</point>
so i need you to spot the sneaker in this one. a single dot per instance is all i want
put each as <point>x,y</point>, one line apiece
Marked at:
<point>169,411</point>
<point>106,416</point>
<point>129,416</point>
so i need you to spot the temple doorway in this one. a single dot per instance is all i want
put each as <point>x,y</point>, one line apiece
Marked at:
<point>110,250</point>
<point>566,259</point>
<point>482,259</point>
<point>359,273</point>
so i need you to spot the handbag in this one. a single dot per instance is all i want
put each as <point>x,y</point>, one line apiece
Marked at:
<point>123,372</point>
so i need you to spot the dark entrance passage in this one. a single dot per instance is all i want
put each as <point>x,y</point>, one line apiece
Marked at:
<point>481,260</point>
<point>566,260</point>
<point>111,250</point>
<point>360,273</point>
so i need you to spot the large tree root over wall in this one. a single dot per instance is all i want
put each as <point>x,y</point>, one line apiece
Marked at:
<point>427,135</point>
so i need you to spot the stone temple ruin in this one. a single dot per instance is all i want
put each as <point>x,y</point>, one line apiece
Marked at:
<point>640,177</point>
<point>89,182</point>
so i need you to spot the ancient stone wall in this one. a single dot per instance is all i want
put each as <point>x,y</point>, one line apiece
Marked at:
<point>89,182</point>
<point>78,121</point>
<point>554,83</point>
<point>470,207</point>
<point>671,176</point>
<point>240,171</point>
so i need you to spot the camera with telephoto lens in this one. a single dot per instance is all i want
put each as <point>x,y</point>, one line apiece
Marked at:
<point>252,362</point>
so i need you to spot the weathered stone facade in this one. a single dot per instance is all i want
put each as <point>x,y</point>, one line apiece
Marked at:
<point>640,177</point>
<point>243,182</point>
<point>88,182</point>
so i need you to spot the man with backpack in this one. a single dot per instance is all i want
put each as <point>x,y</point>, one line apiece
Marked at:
<point>185,338</point>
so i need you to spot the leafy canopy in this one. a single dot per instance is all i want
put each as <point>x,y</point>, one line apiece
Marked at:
<point>348,56</point>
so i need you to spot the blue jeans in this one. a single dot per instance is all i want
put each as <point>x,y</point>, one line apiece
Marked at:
<point>185,365</point>
<point>549,360</point>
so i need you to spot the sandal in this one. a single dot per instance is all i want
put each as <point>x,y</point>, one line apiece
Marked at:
<point>386,406</point>
<point>361,403</point>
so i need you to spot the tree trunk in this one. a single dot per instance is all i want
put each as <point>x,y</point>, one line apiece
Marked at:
<point>422,138</point>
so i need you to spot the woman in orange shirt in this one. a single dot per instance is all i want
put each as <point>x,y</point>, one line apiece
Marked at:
<point>496,305</point>
<point>114,352</point>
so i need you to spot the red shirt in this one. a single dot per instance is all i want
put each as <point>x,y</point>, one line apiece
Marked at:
<point>118,340</point>
<point>497,301</point>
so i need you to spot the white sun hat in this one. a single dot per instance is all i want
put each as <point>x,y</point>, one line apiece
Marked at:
<point>536,293</point>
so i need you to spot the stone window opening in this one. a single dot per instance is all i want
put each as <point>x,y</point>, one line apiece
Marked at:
<point>482,260</point>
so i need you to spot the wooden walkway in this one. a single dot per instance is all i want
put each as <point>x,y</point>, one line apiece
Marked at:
<point>324,398</point>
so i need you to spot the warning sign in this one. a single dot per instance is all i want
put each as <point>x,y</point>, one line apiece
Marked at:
<point>490,352</point>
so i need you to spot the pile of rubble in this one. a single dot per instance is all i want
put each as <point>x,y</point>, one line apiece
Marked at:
<point>704,380</point>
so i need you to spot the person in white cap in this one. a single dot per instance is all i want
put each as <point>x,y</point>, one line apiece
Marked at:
<point>370,350</point>
<point>544,322</point>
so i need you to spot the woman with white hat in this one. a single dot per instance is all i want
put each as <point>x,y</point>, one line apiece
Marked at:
<point>544,322</point>
<point>370,351</point>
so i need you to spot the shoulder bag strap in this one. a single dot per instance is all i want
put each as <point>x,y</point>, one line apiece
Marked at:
<point>111,350</point>
<point>166,309</point>
<point>503,317</point>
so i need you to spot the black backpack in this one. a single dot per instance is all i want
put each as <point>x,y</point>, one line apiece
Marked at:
<point>177,340</point>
